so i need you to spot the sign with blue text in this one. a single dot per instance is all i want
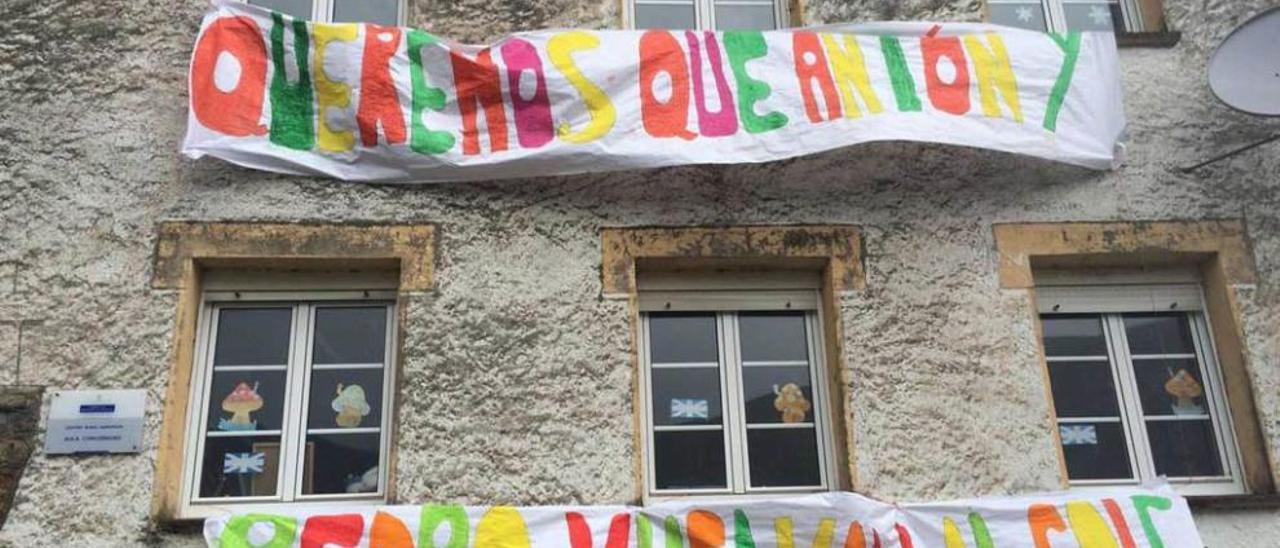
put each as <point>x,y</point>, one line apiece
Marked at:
<point>95,421</point>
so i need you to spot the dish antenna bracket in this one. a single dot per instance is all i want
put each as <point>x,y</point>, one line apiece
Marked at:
<point>1244,73</point>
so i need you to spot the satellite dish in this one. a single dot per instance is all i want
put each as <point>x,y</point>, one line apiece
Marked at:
<point>1245,74</point>
<point>1245,70</point>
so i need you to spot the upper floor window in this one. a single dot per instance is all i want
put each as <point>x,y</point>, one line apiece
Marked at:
<point>381,12</point>
<point>1137,389</point>
<point>707,14</point>
<point>1121,16</point>
<point>291,399</point>
<point>734,394</point>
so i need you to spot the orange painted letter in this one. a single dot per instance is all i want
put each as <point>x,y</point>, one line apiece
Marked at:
<point>811,64</point>
<point>379,101</point>
<point>477,81</point>
<point>237,111</point>
<point>660,53</point>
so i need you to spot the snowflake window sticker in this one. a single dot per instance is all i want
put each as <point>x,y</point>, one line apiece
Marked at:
<point>689,409</point>
<point>1078,434</point>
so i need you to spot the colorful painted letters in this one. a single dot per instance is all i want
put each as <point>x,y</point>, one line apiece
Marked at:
<point>835,520</point>
<point>272,92</point>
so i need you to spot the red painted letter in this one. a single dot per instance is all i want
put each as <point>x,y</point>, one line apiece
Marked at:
<point>660,53</point>
<point>477,81</point>
<point>235,112</point>
<point>341,529</point>
<point>950,96</point>
<point>379,101</point>
<point>580,532</point>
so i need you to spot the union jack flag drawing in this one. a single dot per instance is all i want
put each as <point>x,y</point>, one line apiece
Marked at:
<point>1078,434</point>
<point>688,409</point>
<point>243,463</point>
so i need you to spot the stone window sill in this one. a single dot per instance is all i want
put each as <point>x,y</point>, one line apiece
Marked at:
<point>1235,502</point>
<point>1161,39</point>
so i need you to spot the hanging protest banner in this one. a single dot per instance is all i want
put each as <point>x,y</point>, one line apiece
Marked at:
<point>366,102</point>
<point>1112,518</point>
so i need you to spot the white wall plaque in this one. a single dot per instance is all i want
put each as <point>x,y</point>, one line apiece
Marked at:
<point>95,421</point>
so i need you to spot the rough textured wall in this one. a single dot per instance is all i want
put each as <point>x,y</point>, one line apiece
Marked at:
<point>19,422</point>
<point>517,384</point>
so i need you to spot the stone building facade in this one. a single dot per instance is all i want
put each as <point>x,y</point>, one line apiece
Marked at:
<point>517,369</point>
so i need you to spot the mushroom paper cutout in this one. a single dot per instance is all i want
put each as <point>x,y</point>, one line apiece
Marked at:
<point>791,402</point>
<point>1184,388</point>
<point>350,406</point>
<point>240,403</point>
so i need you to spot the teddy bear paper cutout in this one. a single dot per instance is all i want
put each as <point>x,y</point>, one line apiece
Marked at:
<point>350,405</point>
<point>791,402</point>
<point>240,403</point>
<point>1184,389</point>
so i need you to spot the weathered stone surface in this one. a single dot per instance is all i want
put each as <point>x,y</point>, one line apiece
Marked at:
<point>19,417</point>
<point>517,380</point>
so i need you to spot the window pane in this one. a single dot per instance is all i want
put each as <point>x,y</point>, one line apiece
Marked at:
<point>1027,15</point>
<point>341,463</point>
<point>243,401</point>
<point>1083,389</point>
<point>773,336</point>
<point>783,457</point>
<point>297,8</point>
<point>345,398</point>
<point>683,338</point>
<point>686,395</point>
<point>665,16</point>
<point>1170,387</point>
<point>240,466</point>
<point>732,17</point>
<point>253,336</point>
<point>1095,450</point>
<point>689,459</point>
<point>774,395</point>
<point>1073,336</point>
<point>350,335</point>
<point>1158,334</point>
<point>1097,16</point>
<point>1184,448</point>
<point>382,12</point>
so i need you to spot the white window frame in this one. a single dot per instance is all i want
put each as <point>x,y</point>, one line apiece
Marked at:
<point>1110,302</point>
<point>726,305</point>
<point>1056,19</point>
<point>293,436</point>
<point>704,12</point>
<point>322,11</point>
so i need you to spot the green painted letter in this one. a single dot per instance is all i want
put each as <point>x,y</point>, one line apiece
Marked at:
<point>421,139</point>
<point>1070,45</point>
<point>236,532</point>
<point>435,514</point>
<point>743,46</point>
<point>292,114</point>
<point>904,86</point>
<point>1143,505</point>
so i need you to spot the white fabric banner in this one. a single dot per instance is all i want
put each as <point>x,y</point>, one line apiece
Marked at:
<point>364,102</point>
<point>1112,518</point>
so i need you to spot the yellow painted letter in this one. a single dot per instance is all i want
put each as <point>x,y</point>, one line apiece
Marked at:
<point>848,68</point>
<point>1090,529</point>
<point>560,49</point>
<point>502,527</point>
<point>330,94</point>
<point>994,72</point>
